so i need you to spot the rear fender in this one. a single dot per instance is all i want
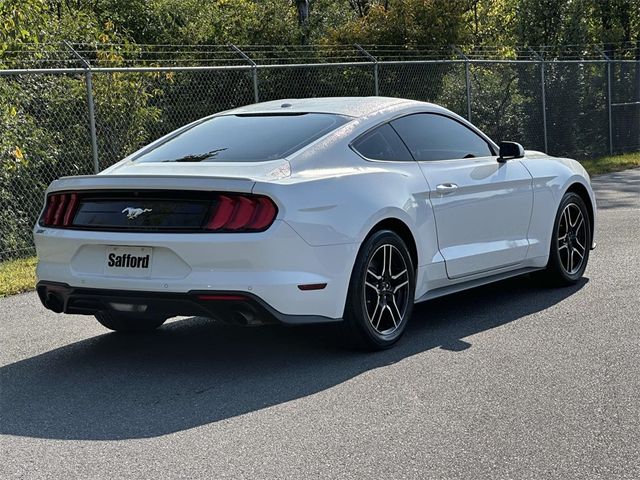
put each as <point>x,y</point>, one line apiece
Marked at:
<point>343,207</point>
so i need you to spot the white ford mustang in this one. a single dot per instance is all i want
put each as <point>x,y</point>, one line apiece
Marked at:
<point>303,211</point>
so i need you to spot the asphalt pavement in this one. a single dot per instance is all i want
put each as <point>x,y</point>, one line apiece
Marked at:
<point>505,381</point>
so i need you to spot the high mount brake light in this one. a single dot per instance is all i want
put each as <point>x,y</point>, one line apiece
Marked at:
<point>242,213</point>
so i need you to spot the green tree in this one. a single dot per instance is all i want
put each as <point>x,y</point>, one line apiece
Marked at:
<point>408,22</point>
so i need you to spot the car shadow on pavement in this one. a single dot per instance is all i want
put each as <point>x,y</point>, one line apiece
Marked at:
<point>194,372</point>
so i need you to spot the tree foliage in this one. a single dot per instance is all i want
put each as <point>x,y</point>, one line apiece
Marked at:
<point>398,22</point>
<point>404,22</point>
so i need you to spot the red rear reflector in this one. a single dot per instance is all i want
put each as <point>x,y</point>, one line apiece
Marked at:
<point>312,286</point>
<point>221,297</point>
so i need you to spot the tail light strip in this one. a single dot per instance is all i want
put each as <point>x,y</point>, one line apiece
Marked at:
<point>230,213</point>
<point>52,202</point>
<point>60,209</point>
<point>71,210</point>
<point>242,213</point>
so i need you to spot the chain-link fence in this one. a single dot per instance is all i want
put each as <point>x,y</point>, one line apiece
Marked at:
<point>80,114</point>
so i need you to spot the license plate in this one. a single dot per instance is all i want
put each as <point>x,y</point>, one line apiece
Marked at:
<point>128,261</point>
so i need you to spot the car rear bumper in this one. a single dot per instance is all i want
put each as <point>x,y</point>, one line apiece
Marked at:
<point>234,307</point>
<point>273,266</point>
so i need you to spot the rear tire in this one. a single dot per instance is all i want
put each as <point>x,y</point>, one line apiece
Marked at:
<point>381,292</point>
<point>570,243</point>
<point>127,322</point>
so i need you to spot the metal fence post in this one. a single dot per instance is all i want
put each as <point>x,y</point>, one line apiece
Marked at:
<point>376,85</point>
<point>254,71</point>
<point>609,115</point>
<point>544,97</point>
<point>467,76</point>
<point>92,122</point>
<point>90,106</point>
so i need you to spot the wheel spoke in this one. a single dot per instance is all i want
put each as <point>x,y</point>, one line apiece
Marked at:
<point>389,258</point>
<point>571,222</point>
<point>577,220</point>
<point>377,277</point>
<point>566,220</point>
<point>397,276</point>
<point>562,247</point>
<point>580,245</point>
<point>575,250</point>
<point>375,310</point>
<point>570,261</point>
<point>395,306</point>
<point>406,282</point>
<point>393,315</point>
<point>384,260</point>
<point>377,325</point>
<point>370,285</point>
<point>577,228</point>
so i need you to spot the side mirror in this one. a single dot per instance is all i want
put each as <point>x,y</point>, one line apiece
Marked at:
<point>509,150</point>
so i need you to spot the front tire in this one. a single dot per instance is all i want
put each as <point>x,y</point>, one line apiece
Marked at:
<point>127,322</point>
<point>381,292</point>
<point>570,243</point>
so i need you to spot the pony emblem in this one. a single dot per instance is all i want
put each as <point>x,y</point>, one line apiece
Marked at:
<point>135,212</point>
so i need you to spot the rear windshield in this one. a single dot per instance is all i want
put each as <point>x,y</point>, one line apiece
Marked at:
<point>244,138</point>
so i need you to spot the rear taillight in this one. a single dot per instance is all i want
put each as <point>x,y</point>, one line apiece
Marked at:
<point>60,210</point>
<point>239,213</point>
<point>216,212</point>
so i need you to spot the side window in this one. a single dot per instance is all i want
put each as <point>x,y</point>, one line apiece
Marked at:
<point>382,143</point>
<point>436,137</point>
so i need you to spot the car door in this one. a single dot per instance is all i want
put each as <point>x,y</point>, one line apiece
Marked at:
<point>482,207</point>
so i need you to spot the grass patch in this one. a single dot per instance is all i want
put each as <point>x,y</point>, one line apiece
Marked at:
<point>17,276</point>
<point>598,166</point>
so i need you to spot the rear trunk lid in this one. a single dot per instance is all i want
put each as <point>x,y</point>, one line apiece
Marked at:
<point>163,197</point>
<point>153,182</point>
<point>257,171</point>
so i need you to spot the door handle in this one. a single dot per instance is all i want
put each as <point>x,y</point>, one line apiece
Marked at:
<point>446,188</point>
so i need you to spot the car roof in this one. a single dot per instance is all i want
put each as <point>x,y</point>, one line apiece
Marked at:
<point>351,106</point>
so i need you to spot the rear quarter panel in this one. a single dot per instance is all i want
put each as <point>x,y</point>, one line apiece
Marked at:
<point>342,205</point>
